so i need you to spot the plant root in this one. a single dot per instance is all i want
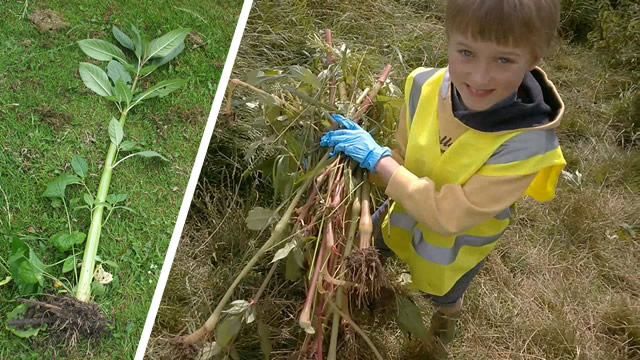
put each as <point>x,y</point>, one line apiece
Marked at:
<point>181,350</point>
<point>68,317</point>
<point>365,269</point>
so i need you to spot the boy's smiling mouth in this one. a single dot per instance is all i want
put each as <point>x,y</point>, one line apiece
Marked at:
<point>480,93</point>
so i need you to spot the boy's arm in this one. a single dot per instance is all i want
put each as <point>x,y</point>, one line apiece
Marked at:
<point>402,138</point>
<point>454,208</point>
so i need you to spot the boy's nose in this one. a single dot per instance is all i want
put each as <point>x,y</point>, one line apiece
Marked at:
<point>481,76</point>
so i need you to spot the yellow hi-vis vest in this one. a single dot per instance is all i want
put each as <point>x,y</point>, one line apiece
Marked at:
<point>436,262</point>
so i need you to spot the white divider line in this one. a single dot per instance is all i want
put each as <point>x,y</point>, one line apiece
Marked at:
<point>193,180</point>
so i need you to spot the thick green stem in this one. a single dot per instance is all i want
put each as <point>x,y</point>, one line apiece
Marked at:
<point>83,291</point>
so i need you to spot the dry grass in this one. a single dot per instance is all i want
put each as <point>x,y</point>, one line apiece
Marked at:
<point>564,281</point>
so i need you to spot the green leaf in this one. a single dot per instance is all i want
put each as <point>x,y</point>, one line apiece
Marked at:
<point>18,314</point>
<point>55,188</point>
<point>163,88</point>
<point>284,251</point>
<point>116,198</point>
<point>19,250</point>
<point>117,71</point>
<point>88,199</point>
<point>31,271</point>
<point>122,38</point>
<point>122,91</point>
<point>79,166</point>
<point>305,75</point>
<point>267,99</point>
<point>115,131</point>
<point>97,289</point>
<point>285,171</point>
<point>234,354</point>
<point>227,329</point>
<point>409,318</point>
<point>150,154</point>
<point>95,79</point>
<point>264,333</point>
<point>127,145</point>
<point>259,217</point>
<point>147,69</point>
<point>170,56</point>
<point>29,274</point>
<point>137,41</point>
<point>64,241</point>
<point>130,68</point>
<point>69,264</point>
<point>101,50</point>
<point>292,269</point>
<point>164,45</point>
<point>6,280</point>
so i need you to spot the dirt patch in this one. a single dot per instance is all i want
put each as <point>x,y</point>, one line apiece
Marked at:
<point>68,318</point>
<point>190,116</point>
<point>46,20</point>
<point>111,9</point>
<point>195,39</point>
<point>56,119</point>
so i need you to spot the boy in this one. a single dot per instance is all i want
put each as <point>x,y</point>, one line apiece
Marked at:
<point>473,138</point>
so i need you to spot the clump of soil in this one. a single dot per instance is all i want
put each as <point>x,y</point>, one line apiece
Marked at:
<point>365,269</point>
<point>68,318</point>
<point>54,118</point>
<point>195,39</point>
<point>47,20</point>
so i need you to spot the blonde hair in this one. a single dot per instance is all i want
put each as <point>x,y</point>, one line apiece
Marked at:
<point>520,23</point>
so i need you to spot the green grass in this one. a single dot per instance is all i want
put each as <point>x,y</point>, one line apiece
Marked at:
<point>48,116</point>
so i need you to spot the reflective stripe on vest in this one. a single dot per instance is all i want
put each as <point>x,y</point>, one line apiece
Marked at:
<point>439,254</point>
<point>524,146</point>
<point>416,90</point>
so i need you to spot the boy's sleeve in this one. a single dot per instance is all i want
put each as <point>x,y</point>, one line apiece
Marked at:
<point>455,207</point>
<point>402,138</point>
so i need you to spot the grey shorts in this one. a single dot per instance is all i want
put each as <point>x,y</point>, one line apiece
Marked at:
<point>458,289</point>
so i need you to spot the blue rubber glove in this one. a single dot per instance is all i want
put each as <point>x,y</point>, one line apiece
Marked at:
<point>354,142</point>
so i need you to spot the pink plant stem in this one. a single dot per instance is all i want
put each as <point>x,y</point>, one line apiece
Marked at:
<point>369,100</point>
<point>319,337</point>
<point>305,316</point>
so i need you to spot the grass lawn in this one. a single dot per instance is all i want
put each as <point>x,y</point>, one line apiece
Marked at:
<point>48,116</point>
<point>562,282</point>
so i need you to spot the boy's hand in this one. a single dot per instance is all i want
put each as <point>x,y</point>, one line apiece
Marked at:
<point>355,142</point>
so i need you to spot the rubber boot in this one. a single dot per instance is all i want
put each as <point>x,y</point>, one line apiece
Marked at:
<point>442,332</point>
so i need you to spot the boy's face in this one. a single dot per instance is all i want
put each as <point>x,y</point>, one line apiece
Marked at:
<point>484,72</point>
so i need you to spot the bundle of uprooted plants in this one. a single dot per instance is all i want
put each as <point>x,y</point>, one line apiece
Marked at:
<point>322,228</point>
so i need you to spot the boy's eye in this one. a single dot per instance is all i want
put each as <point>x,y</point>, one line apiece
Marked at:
<point>504,60</point>
<point>465,52</point>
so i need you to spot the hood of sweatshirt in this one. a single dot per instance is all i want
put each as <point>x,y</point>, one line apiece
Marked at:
<point>535,105</point>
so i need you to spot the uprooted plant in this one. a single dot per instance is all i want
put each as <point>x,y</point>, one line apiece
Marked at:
<point>77,316</point>
<point>322,226</point>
